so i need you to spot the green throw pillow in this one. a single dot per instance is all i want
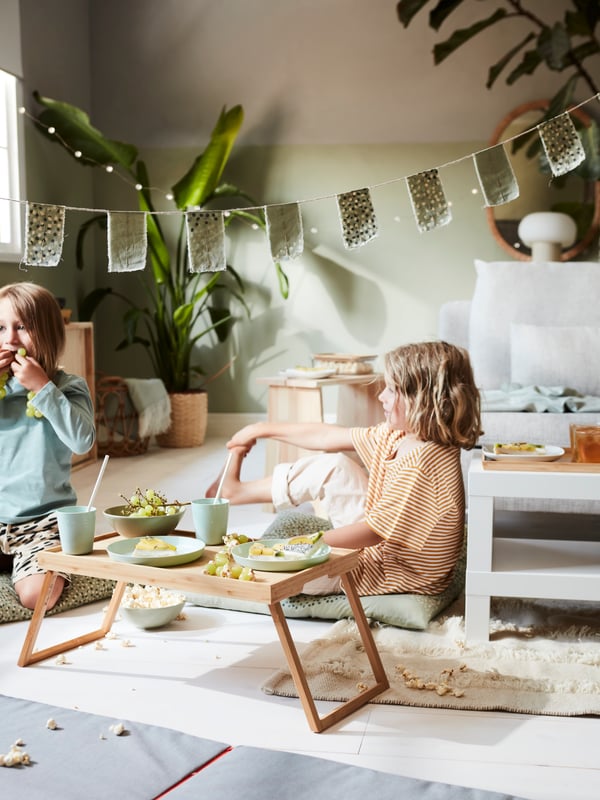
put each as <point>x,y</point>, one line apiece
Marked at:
<point>413,611</point>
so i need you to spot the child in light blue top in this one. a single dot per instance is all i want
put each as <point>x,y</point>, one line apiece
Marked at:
<point>46,415</point>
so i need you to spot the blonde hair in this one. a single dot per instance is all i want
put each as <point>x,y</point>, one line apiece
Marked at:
<point>39,312</point>
<point>436,381</point>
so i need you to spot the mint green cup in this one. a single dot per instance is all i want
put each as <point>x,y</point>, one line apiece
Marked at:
<point>210,519</point>
<point>76,529</point>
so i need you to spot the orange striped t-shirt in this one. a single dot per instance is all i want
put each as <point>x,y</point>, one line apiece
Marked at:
<point>416,503</point>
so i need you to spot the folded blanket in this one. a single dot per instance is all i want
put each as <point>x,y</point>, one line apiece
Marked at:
<point>554,399</point>
<point>151,401</point>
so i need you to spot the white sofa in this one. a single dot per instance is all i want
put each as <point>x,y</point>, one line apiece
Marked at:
<point>534,326</point>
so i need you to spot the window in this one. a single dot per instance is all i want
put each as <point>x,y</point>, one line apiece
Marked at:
<point>11,245</point>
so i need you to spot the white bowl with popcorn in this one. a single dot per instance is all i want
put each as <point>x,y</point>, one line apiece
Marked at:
<point>150,606</point>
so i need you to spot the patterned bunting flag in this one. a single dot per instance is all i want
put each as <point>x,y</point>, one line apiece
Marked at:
<point>284,229</point>
<point>127,241</point>
<point>357,217</point>
<point>562,144</point>
<point>45,230</point>
<point>206,241</point>
<point>496,176</point>
<point>428,200</point>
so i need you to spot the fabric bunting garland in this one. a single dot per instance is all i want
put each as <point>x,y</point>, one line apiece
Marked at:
<point>428,200</point>
<point>205,230</point>
<point>496,176</point>
<point>44,235</point>
<point>562,144</point>
<point>127,241</point>
<point>284,229</point>
<point>206,241</point>
<point>357,218</point>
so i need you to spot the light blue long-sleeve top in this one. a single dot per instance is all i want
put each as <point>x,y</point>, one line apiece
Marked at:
<point>35,454</point>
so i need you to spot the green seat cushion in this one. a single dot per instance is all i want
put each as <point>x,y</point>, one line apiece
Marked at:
<point>413,611</point>
<point>80,591</point>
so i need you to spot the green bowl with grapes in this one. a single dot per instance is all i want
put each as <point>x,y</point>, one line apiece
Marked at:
<point>130,526</point>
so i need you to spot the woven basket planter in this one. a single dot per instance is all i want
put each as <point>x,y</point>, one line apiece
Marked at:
<point>189,417</point>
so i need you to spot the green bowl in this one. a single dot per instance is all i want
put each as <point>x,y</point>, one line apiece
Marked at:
<point>141,526</point>
<point>151,617</point>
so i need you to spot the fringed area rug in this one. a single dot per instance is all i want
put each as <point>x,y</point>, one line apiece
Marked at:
<point>543,657</point>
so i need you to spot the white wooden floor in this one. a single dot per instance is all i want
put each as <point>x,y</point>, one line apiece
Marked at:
<point>203,676</point>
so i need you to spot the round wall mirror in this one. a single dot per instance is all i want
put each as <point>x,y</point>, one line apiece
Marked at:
<point>538,191</point>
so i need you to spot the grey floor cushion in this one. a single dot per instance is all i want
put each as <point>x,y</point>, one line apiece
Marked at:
<point>255,774</point>
<point>83,758</point>
<point>413,611</point>
<point>80,591</point>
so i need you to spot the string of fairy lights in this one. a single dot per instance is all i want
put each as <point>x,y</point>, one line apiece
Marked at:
<point>112,169</point>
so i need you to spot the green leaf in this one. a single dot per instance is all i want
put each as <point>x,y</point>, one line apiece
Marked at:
<point>499,65</point>
<point>442,11</point>
<point>553,46</point>
<point>585,50</point>
<point>76,132</point>
<point>590,140</point>
<point>90,303</point>
<point>200,182</point>
<point>529,63</point>
<point>406,10</point>
<point>562,99</point>
<point>442,50</point>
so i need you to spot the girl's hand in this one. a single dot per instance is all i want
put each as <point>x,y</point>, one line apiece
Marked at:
<point>29,373</point>
<point>6,359</point>
<point>244,439</point>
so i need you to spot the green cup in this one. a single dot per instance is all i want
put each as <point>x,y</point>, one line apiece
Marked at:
<point>210,519</point>
<point>76,529</point>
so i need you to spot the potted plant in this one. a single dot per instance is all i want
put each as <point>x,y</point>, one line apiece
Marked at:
<point>175,307</point>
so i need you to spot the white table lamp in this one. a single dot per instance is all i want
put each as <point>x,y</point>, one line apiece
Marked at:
<point>546,233</point>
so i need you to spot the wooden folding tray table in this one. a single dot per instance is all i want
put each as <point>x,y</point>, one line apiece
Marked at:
<point>269,587</point>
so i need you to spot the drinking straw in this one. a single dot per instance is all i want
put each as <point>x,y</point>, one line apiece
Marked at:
<point>220,486</point>
<point>97,484</point>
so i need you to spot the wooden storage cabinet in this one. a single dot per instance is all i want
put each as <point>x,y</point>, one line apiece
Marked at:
<point>78,359</point>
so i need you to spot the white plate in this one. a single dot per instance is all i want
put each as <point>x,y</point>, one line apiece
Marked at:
<point>309,372</point>
<point>552,454</point>
<point>187,550</point>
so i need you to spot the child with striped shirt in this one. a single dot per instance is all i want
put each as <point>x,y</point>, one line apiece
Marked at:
<point>403,506</point>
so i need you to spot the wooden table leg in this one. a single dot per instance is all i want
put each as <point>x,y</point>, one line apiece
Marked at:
<point>28,656</point>
<point>316,722</point>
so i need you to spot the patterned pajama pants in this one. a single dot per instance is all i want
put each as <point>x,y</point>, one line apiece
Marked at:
<point>25,540</point>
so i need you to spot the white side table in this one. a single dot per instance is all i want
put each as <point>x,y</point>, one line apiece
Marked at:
<point>528,554</point>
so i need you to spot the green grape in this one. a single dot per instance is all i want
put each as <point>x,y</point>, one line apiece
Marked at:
<point>211,568</point>
<point>222,557</point>
<point>22,352</point>
<point>134,500</point>
<point>235,570</point>
<point>30,411</point>
<point>219,570</point>
<point>246,574</point>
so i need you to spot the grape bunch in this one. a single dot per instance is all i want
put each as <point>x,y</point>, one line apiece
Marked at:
<point>149,503</point>
<point>225,566</point>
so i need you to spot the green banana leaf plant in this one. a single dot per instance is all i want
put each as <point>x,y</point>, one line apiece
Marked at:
<point>176,308</point>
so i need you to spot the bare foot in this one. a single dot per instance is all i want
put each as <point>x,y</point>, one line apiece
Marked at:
<point>232,480</point>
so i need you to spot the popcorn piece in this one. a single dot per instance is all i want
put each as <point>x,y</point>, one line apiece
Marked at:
<point>99,646</point>
<point>137,596</point>
<point>118,728</point>
<point>51,724</point>
<point>61,659</point>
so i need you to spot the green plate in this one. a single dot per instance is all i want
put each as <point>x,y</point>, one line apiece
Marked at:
<point>187,550</point>
<point>291,562</point>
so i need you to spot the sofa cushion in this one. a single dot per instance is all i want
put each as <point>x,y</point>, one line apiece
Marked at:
<point>552,293</point>
<point>544,355</point>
